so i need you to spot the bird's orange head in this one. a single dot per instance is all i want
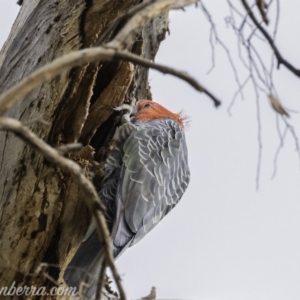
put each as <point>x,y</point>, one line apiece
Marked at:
<point>147,110</point>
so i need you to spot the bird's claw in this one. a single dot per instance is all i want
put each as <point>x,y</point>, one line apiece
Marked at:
<point>126,109</point>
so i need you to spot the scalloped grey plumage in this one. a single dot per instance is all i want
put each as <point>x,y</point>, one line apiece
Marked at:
<point>146,175</point>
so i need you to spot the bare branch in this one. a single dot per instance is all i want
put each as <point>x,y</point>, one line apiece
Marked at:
<point>213,32</point>
<point>101,281</point>
<point>126,36</point>
<point>64,149</point>
<point>259,139</point>
<point>82,57</point>
<point>262,7</point>
<point>93,203</point>
<point>280,58</point>
<point>280,146</point>
<point>290,128</point>
<point>167,70</point>
<point>50,70</point>
<point>134,10</point>
<point>236,94</point>
<point>112,51</point>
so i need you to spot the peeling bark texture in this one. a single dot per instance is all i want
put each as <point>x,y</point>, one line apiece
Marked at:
<point>42,215</point>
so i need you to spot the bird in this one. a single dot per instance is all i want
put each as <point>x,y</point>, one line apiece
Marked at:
<point>263,7</point>
<point>277,106</point>
<point>146,174</point>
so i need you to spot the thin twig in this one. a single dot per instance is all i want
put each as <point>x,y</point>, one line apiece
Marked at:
<point>218,40</point>
<point>66,62</point>
<point>126,36</point>
<point>64,149</point>
<point>262,7</point>
<point>259,127</point>
<point>167,70</point>
<point>260,145</point>
<point>108,252</point>
<point>81,57</point>
<point>280,146</point>
<point>236,94</point>
<point>280,58</point>
<point>134,10</point>
<point>93,203</point>
<point>100,284</point>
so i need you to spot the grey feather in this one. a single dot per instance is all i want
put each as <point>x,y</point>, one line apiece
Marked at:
<point>146,175</point>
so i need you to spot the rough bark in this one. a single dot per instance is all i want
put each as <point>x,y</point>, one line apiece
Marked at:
<point>42,216</point>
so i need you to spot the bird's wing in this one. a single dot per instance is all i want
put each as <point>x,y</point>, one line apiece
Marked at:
<point>155,176</point>
<point>87,258</point>
<point>113,170</point>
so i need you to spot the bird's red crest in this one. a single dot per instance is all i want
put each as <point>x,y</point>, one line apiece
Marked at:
<point>149,110</point>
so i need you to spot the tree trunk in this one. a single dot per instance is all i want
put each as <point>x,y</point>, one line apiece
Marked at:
<point>43,218</point>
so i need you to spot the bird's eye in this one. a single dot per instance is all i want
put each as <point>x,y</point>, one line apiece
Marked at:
<point>147,105</point>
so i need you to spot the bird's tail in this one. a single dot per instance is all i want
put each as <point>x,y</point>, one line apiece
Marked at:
<point>83,271</point>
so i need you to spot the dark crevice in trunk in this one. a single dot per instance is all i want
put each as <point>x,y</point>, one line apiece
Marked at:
<point>103,136</point>
<point>82,22</point>
<point>51,256</point>
<point>105,75</point>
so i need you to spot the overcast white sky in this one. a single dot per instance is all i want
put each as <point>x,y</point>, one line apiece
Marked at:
<point>224,240</point>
